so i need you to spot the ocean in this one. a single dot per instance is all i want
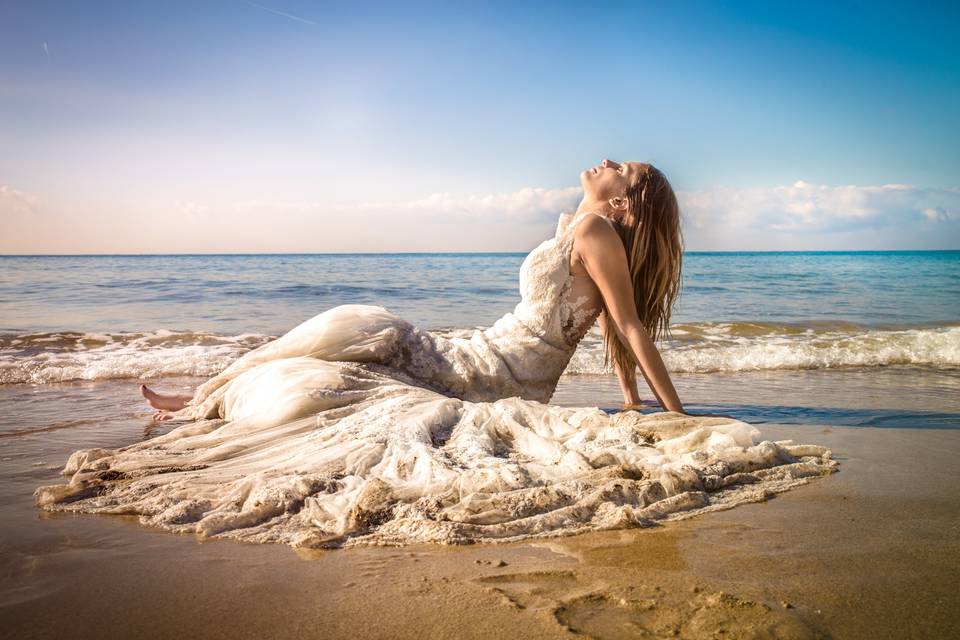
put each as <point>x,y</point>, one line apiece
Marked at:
<point>773,323</point>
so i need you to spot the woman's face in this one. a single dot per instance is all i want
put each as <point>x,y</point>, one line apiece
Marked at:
<point>608,179</point>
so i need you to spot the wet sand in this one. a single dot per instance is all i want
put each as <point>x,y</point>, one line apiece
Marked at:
<point>868,552</point>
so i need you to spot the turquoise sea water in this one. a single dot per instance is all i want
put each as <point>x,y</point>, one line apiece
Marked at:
<point>270,293</point>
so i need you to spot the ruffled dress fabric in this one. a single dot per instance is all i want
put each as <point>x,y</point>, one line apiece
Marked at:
<point>356,427</point>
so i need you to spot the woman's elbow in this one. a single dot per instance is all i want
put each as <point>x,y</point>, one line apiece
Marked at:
<point>630,328</point>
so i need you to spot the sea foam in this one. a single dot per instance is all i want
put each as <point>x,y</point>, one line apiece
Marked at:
<point>711,347</point>
<point>41,358</point>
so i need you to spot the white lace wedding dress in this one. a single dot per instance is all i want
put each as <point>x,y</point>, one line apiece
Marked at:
<point>358,427</point>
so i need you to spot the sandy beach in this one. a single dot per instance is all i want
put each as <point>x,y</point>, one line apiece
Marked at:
<point>868,552</point>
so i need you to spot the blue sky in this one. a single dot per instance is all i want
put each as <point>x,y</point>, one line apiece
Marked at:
<point>315,126</point>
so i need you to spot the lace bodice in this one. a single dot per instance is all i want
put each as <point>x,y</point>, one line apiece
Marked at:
<point>551,305</point>
<point>535,342</point>
<point>526,351</point>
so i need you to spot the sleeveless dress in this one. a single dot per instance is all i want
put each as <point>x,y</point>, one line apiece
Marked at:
<point>356,427</point>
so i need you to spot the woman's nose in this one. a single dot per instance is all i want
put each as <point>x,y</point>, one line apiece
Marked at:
<point>608,163</point>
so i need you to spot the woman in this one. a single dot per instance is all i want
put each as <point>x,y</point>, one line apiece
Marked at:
<point>624,270</point>
<point>358,427</point>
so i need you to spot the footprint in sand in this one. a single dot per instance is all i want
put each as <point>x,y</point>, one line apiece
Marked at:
<point>536,589</point>
<point>667,615</point>
<point>592,609</point>
<point>578,605</point>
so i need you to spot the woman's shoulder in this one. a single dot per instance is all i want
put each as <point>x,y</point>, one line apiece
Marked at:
<point>594,237</point>
<point>572,221</point>
<point>591,223</point>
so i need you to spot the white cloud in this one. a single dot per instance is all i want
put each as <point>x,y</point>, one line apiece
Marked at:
<point>15,203</point>
<point>514,221</point>
<point>530,204</point>
<point>818,209</point>
<point>797,216</point>
<point>191,209</point>
<point>800,216</point>
<point>936,214</point>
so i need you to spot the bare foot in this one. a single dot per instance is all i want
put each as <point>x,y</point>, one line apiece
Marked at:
<point>161,402</point>
<point>161,416</point>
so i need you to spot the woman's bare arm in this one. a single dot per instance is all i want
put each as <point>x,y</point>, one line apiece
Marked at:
<point>605,260</point>
<point>628,379</point>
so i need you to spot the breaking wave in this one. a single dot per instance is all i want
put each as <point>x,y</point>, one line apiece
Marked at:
<point>744,346</point>
<point>41,358</point>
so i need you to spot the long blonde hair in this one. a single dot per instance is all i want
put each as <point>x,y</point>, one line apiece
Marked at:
<point>650,231</point>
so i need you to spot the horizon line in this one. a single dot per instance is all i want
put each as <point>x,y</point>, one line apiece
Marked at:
<point>413,253</point>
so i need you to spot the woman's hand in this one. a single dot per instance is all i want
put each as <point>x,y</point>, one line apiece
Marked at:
<point>637,406</point>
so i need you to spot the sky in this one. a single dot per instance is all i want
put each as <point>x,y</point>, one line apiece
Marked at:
<point>294,126</point>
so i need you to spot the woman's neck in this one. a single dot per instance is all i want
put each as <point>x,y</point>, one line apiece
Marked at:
<point>596,207</point>
<point>602,208</point>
